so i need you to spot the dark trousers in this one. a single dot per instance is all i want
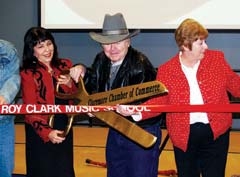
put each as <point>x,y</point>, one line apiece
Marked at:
<point>128,159</point>
<point>48,159</point>
<point>204,155</point>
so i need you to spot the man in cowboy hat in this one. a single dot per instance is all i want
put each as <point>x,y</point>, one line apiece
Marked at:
<point>120,65</point>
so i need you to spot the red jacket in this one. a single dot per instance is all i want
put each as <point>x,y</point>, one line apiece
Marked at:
<point>38,88</point>
<point>215,78</point>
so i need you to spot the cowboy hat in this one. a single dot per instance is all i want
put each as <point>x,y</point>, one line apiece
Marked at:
<point>114,30</point>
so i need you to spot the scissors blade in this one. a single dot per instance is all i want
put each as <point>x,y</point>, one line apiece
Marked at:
<point>127,128</point>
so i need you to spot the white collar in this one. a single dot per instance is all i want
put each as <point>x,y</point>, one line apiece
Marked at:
<point>195,67</point>
<point>119,62</point>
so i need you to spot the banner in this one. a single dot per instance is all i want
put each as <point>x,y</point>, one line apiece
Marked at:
<point>75,109</point>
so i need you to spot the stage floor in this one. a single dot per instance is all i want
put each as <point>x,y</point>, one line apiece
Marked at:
<point>89,143</point>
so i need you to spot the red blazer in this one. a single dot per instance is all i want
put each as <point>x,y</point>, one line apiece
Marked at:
<point>215,78</point>
<point>38,88</point>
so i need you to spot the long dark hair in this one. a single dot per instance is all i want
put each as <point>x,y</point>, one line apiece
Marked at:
<point>34,36</point>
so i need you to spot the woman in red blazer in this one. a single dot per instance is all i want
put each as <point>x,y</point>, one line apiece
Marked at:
<point>47,153</point>
<point>196,75</point>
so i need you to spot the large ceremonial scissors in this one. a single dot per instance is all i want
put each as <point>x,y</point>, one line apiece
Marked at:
<point>121,95</point>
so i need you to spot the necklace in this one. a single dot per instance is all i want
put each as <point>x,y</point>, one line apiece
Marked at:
<point>50,70</point>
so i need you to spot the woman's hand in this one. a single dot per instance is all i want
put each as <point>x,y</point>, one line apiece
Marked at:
<point>65,79</point>
<point>54,138</point>
<point>77,71</point>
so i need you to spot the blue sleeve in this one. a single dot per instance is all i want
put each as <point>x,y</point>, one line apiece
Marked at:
<point>9,71</point>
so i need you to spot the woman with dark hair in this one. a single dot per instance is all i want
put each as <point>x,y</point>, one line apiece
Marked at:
<point>47,153</point>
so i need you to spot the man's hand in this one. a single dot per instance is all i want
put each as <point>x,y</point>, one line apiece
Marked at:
<point>122,109</point>
<point>2,100</point>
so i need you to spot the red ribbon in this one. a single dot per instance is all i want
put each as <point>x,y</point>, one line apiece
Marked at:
<point>74,109</point>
